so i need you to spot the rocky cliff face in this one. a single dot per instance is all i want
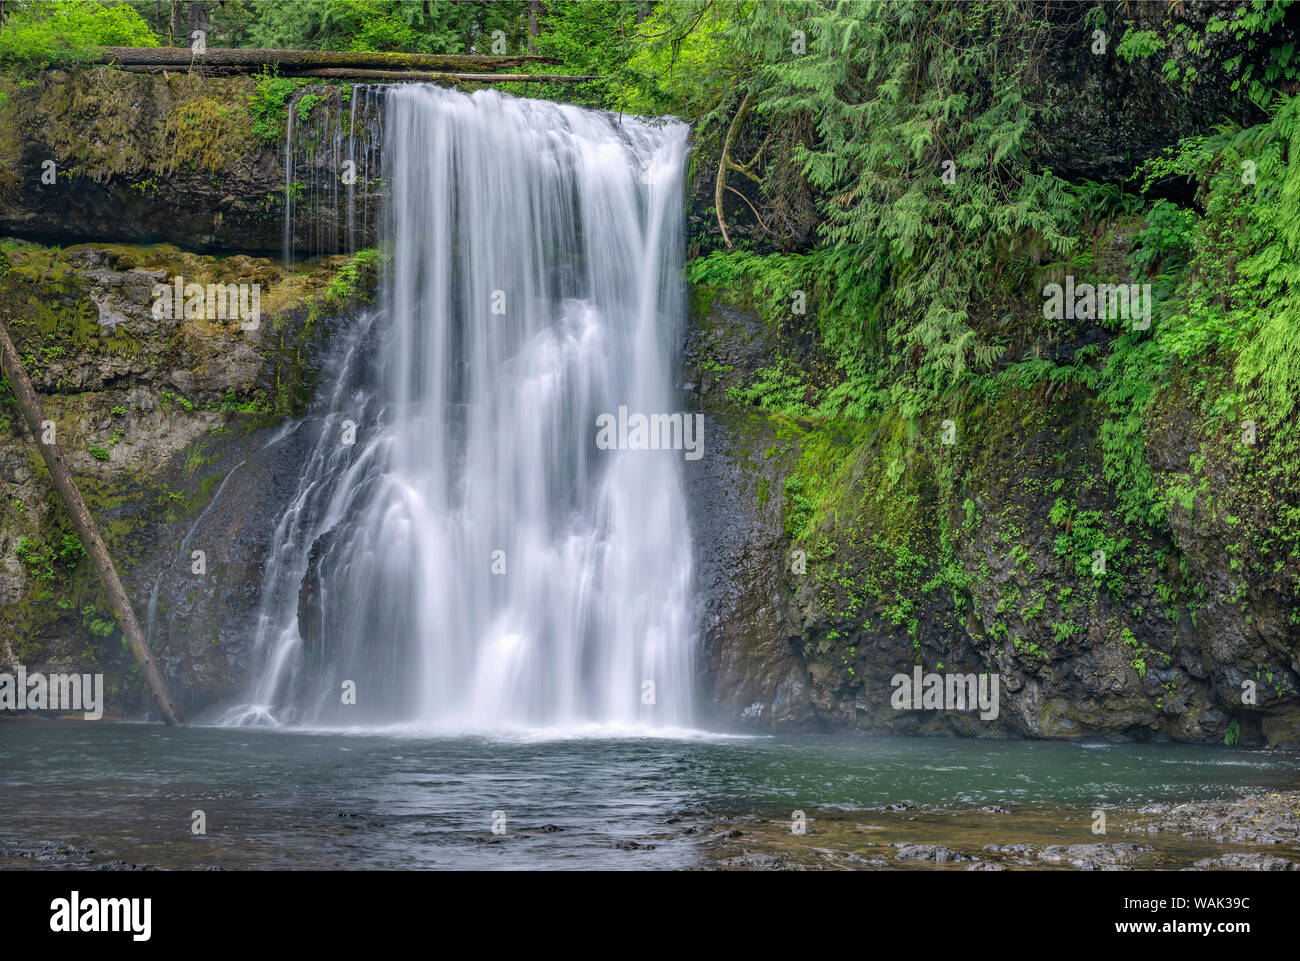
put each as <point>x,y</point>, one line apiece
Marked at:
<point>975,557</point>
<point>990,538</point>
<point>165,420</point>
<point>199,162</point>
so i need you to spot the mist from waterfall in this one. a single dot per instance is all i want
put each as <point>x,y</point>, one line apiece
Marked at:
<point>474,561</point>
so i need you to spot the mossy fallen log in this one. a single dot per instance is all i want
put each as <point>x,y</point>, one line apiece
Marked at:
<point>295,62</point>
<point>424,76</point>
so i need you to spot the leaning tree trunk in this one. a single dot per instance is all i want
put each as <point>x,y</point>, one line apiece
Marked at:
<point>86,529</point>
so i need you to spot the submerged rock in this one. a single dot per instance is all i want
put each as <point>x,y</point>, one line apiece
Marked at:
<point>1237,861</point>
<point>754,862</point>
<point>928,852</point>
<point>1093,857</point>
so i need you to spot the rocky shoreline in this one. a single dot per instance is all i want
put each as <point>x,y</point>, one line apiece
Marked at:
<point>1257,831</point>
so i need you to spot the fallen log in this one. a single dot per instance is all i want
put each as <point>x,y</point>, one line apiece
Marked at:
<point>291,62</point>
<point>422,76</point>
<point>84,524</point>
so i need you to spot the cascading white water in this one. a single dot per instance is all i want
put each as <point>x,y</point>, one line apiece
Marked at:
<point>474,561</point>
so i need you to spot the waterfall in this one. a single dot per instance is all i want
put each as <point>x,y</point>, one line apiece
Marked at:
<point>331,169</point>
<point>475,559</point>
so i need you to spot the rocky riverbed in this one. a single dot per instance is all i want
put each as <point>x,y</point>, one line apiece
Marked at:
<point>1255,832</point>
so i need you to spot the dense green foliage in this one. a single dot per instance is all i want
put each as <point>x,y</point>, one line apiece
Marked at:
<point>35,29</point>
<point>372,25</point>
<point>36,33</point>
<point>269,105</point>
<point>925,295</point>
<point>906,261</point>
